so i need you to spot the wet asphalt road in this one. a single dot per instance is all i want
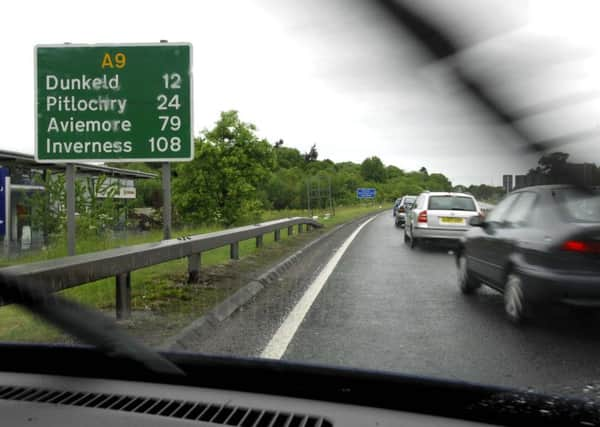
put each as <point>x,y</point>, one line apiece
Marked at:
<point>387,307</point>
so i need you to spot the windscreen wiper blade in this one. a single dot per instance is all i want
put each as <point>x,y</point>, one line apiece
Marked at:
<point>83,323</point>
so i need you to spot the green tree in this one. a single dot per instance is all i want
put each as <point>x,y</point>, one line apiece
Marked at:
<point>392,172</point>
<point>348,167</point>
<point>399,187</point>
<point>345,182</point>
<point>312,154</point>
<point>438,182</point>
<point>372,169</point>
<point>554,163</point>
<point>48,207</point>
<point>552,168</point>
<point>284,189</point>
<point>221,183</point>
<point>486,193</point>
<point>148,193</point>
<point>99,211</point>
<point>287,158</point>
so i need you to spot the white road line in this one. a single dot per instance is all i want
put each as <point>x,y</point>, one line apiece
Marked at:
<point>284,335</point>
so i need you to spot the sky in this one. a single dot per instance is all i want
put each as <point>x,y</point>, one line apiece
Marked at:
<point>339,73</point>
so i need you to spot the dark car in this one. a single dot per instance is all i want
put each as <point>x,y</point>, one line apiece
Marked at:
<point>539,245</point>
<point>396,204</point>
<point>401,208</point>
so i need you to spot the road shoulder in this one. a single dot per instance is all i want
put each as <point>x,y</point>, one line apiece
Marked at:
<point>254,310</point>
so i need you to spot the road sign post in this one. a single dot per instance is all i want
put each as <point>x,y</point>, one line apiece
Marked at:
<point>3,198</point>
<point>166,185</point>
<point>7,215</point>
<point>70,189</point>
<point>5,208</point>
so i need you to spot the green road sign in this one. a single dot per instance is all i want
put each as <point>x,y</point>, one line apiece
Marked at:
<point>114,102</point>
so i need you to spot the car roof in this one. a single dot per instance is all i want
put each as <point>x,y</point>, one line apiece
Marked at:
<point>546,187</point>
<point>446,193</point>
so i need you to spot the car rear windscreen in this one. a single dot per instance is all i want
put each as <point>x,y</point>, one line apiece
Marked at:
<point>578,206</point>
<point>451,203</point>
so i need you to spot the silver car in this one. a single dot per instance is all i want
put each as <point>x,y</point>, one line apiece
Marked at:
<point>439,215</point>
<point>401,209</point>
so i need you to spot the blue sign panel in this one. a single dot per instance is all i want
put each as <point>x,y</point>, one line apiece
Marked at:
<point>3,175</point>
<point>366,193</point>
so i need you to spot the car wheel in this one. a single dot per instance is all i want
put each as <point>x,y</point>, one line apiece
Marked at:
<point>397,223</point>
<point>413,240</point>
<point>585,314</point>
<point>466,283</point>
<point>514,303</point>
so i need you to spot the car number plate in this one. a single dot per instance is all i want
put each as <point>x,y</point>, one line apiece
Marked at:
<point>451,220</point>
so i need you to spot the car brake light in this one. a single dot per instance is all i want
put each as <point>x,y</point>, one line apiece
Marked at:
<point>422,217</point>
<point>581,246</point>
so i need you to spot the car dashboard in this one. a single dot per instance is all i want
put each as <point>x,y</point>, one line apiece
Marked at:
<point>45,400</point>
<point>72,385</point>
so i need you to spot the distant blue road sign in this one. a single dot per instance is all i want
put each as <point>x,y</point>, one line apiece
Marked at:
<point>366,193</point>
<point>3,175</point>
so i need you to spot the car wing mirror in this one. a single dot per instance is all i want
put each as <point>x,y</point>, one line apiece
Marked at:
<point>476,221</point>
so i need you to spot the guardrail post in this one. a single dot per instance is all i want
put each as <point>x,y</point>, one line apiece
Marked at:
<point>123,288</point>
<point>193,267</point>
<point>300,228</point>
<point>259,241</point>
<point>290,230</point>
<point>234,250</point>
<point>277,235</point>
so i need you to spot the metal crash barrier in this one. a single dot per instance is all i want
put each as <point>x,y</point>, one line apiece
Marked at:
<point>69,272</point>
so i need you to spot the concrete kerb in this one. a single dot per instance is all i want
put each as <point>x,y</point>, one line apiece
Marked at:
<point>204,326</point>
